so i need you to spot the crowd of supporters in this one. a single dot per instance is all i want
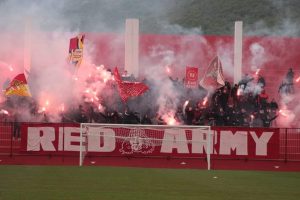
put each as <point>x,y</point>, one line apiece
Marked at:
<point>244,104</point>
<point>237,105</point>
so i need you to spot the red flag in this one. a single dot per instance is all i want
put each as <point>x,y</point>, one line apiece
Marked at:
<point>129,89</point>
<point>18,86</point>
<point>213,77</point>
<point>191,77</point>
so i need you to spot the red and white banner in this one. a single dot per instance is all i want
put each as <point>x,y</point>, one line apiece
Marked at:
<point>191,77</point>
<point>226,142</point>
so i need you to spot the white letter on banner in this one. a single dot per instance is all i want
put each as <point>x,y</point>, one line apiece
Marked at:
<point>199,140</point>
<point>38,137</point>
<point>109,140</point>
<point>69,138</point>
<point>262,142</point>
<point>174,139</point>
<point>60,139</point>
<point>230,141</point>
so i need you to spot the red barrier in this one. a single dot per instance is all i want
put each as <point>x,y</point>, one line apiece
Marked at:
<point>227,142</point>
<point>286,142</point>
<point>250,143</point>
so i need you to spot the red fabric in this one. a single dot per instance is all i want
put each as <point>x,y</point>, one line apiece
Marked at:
<point>18,86</point>
<point>63,139</point>
<point>20,78</point>
<point>263,95</point>
<point>74,43</point>
<point>129,89</point>
<point>191,77</point>
<point>213,77</point>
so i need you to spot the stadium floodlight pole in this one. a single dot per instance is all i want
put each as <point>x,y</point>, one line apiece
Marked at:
<point>132,47</point>
<point>238,51</point>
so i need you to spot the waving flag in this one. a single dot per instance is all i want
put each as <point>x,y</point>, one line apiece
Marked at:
<point>76,50</point>
<point>18,86</point>
<point>129,89</point>
<point>213,77</point>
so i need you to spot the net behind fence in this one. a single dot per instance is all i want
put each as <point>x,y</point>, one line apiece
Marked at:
<point>145,141</point>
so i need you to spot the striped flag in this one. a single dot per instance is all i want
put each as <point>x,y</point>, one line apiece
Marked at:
<point>18,86</point>
<point>129,89</point>
<point>76,50</point>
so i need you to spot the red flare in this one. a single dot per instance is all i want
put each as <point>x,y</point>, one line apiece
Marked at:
<point>62,107</point>
<point>5,112</point>
<point>185,103</point>
<point>238,92</point>
<point>168,70</point>
<point>171,121</point>
<point>282,112</point>
<point>205,100</point>
<point>257,71</point>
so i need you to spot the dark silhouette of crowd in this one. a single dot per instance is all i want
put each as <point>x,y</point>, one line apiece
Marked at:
<point>229,105</point>
<point>245,104</point>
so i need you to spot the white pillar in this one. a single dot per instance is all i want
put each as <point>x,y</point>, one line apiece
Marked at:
<point>238,51</point>
<point>27,46</point>
<point>132,47</point>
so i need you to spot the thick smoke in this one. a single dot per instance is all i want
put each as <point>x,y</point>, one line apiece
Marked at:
<point>285,26</point>
<point>53,81</point>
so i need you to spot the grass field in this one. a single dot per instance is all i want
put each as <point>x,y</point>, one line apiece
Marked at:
<point>72,183</point>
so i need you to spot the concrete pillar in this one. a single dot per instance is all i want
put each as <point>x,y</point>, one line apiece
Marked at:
<point>238,51</point>
<point>132,47</point>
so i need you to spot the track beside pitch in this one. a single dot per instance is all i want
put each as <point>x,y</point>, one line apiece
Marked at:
<point>171,163</point>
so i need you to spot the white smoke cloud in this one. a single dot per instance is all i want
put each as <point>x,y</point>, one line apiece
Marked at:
<point>168,28</point>
<point>55,22</point>
<point>258,56</point>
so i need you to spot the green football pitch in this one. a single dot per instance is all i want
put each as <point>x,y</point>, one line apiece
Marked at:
<point>72,183</point>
